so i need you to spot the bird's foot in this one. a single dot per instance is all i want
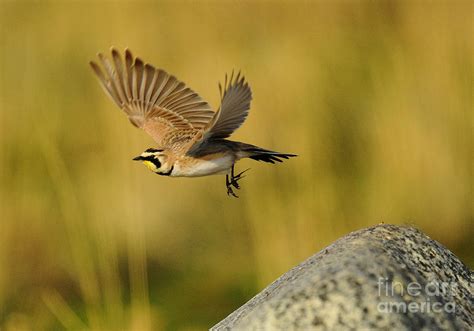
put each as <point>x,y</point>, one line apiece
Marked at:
<point>233,181</point>
<point>230,192</point>
<point>228,184</point>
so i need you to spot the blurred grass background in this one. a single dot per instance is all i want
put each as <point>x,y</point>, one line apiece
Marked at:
<point>375,97</point>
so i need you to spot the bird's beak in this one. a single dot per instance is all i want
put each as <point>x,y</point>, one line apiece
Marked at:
<point>138,158</point>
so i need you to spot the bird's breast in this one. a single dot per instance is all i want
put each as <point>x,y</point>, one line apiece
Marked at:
<point>204,166</point>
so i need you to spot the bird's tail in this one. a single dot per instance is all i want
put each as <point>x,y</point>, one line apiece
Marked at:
<point>260,154</point>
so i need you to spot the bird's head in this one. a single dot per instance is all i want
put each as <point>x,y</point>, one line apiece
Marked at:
<point>155,160</point>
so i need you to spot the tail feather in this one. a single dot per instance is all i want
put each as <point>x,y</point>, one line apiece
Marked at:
<point>260,154</point>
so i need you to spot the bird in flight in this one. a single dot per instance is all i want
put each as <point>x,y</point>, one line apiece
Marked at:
<point>190,136</point>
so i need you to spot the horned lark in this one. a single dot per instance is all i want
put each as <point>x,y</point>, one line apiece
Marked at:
<point>189,134</point>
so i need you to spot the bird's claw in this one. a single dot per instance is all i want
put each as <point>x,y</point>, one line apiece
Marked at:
<point>230,192</point>
<point>234,182</point>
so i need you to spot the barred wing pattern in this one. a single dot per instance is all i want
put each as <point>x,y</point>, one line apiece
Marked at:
<point>155,101</point>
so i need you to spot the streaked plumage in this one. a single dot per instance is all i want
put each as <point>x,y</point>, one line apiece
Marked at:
<point>190,136</point>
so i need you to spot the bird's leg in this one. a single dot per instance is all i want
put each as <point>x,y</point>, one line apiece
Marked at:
<point>233,181</point>
<point>235,178</point>
<point>228,184</point>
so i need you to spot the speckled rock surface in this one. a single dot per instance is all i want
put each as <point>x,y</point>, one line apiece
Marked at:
<point>381,278</point>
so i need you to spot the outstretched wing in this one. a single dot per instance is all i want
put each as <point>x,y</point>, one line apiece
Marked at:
<point>235,105</point>
<point>155,101</point>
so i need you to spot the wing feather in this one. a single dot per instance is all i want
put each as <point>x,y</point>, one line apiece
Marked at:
<point>127,79</point>
<point>235,104</point>
<point>152,82</point>
<point>105,84</point>
<point>120,76</point>
<point>155,101</point>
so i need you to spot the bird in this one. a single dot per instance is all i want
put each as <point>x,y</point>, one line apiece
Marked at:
<point>190,137</point>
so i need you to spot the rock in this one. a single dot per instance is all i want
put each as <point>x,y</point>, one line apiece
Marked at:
<point>385,277</point>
